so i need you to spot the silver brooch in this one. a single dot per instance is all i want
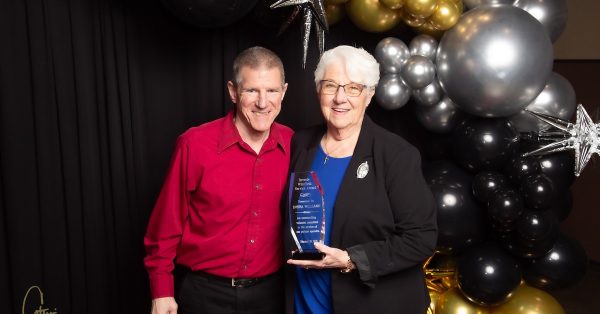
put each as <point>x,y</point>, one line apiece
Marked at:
<point>363,170</point>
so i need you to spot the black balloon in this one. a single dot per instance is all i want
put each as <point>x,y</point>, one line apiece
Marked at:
<point>537,226</point>
<point>486,274</point>
<point>559,168</point>
<point>505,207</point>
<point>209,13</point>
<point>526,250</point>
<point>461,222</point>
<point>484,143</point>
<point>563,266</point>
<point>519,168</point>
<point>485,183</point>
<point>273,18</point>
<point>538,191</point>
<point>534,235</point>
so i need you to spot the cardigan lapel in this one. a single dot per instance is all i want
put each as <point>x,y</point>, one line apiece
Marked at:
<point>350,185</point>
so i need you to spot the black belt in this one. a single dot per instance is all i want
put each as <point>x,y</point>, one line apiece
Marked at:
<point>233,282</point>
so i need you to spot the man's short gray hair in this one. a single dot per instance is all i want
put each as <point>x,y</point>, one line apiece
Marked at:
<point>254,58</point>
<point>361,66</point>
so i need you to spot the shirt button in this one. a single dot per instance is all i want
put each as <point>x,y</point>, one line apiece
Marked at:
<point>254,213</point>
<point>245,267</point>
<point>258,186</point>
<point>252,241</point>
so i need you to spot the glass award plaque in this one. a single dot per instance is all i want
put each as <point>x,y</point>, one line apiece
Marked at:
<point>307,214</point>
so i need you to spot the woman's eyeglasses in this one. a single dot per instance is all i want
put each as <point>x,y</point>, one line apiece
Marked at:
<point>351,89</point>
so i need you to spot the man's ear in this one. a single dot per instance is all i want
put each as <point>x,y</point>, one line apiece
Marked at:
<point>284,90</point>
<point>232,92</point>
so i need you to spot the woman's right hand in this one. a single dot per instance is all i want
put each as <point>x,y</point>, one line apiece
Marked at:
<point>166,305</point>
<point>334,258</point>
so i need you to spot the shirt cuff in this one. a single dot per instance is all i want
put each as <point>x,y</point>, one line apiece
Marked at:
<point>161,286</point>
<point>359,257</point>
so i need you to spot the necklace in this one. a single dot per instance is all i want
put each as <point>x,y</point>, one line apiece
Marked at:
<point>328,153</point>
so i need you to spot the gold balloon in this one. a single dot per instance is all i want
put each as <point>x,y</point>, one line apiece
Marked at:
<point>411,20</point>
<point>529,300</point>
<point>453,302</point>
<point>434,296</point>
<point>372,16</point>
<point>449,282</point>
<point>429,29</point>
<point>337,1</point>
<point>392,4</point>
<point>334,13</point>
<point>459,5</point>
<point>445,16</point>
<point>440,272</point>
<point>420,8</point>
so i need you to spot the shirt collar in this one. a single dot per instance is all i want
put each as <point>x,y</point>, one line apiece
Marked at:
<point>230,135</point>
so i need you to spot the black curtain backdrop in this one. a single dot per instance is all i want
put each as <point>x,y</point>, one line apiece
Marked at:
<point>94,93</point>
<point>92,97</point>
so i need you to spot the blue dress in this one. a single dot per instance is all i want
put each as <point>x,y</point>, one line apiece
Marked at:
<point>312,294</point>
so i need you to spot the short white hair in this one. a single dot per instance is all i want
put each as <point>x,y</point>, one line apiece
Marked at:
<point>361,66</point>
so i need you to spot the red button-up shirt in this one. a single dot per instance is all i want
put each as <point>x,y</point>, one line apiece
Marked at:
<point>218,210</point>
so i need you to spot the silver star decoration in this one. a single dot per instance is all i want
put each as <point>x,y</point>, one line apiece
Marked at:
<point>583,137</point>
<point>311,9</point>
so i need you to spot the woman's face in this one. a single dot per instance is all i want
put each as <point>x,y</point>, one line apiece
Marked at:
<point>342,111</point>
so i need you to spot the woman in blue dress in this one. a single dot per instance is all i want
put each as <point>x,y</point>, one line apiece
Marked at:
<point>380,222</point>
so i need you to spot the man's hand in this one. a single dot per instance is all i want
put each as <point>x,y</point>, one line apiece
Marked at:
<point>166,305</point>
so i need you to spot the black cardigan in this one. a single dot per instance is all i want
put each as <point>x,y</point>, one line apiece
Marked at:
<point>386,221</point>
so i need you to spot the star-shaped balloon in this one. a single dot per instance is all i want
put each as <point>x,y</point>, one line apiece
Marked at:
<point>311,9</point>
<point>583,137</point>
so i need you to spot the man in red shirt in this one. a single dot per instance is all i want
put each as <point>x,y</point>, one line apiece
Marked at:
<point>218,213</point>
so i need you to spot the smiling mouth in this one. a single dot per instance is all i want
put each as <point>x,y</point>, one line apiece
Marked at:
<point>261,113</point>
<point>340,110</point>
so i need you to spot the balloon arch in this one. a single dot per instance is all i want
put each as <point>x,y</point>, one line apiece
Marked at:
<point>479,76</point>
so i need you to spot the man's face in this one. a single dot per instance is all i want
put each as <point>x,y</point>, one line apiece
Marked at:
<point>258,99</point>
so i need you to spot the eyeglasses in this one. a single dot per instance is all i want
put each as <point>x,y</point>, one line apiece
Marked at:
<point>351,89</point>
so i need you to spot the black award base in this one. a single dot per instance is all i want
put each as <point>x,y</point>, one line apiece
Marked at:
<point>315,256</point>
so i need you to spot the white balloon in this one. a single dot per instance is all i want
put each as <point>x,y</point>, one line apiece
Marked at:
<point>551,13</point>
<point>418,71</point>
<point>392,93</point>
<point>494,61</point>
<point>423,45</point>
<point>441,117</point>
<point>470,4</point>
<point>429,95</point>
<point>391,53</point>
<point>557,99</point>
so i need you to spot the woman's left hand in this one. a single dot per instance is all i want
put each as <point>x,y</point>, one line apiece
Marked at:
<point>334,258</point>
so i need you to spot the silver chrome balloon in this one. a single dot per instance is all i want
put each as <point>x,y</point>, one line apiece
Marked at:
<point>557,99</point>
<point>441,117</point>
<point>494,61</point>
<point>391,53</point>
<point>418,71</point>
<point>392,93</point>
<point>551,13</point>
<point>470,4</point>
<point>423,45</point>
<point>429,95</point>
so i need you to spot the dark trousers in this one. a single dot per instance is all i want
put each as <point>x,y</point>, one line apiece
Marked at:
<point>201,295</point>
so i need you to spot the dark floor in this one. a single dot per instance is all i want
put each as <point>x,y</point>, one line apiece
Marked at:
<point>584,297</point>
